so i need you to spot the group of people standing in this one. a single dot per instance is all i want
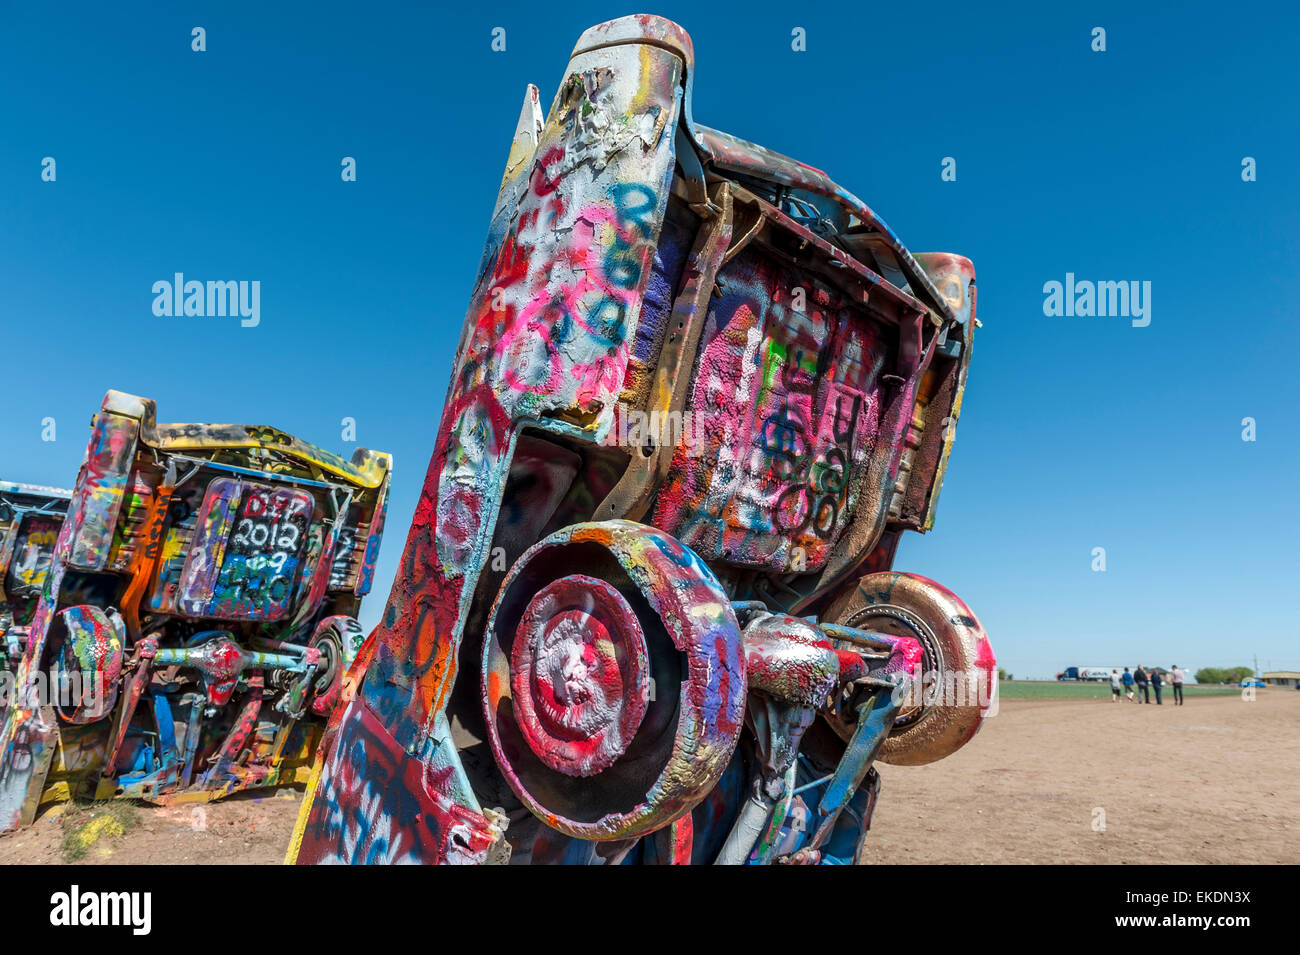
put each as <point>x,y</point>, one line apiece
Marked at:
<point>1137,686</point>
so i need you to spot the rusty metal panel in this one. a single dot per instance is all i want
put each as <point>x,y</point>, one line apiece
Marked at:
<point>245,557</point>
<point>787,393</point>
<point>101,488</point>
<point>31,519</point>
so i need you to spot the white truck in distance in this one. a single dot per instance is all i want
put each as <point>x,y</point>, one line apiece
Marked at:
<point>1086,673</point>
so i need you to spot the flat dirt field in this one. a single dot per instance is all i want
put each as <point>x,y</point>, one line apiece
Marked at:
<point>242,830</point>
<point>1210,782</point>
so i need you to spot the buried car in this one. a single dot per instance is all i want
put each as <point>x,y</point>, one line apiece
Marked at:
<point>196,617</point>
<point>646,611</point>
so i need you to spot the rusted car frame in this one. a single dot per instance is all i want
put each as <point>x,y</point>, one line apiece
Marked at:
<point>196,617</point>
<point>613,639</point>
<point>30,518</point>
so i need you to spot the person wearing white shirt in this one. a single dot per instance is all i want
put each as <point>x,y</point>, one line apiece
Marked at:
<point>1176,679</point>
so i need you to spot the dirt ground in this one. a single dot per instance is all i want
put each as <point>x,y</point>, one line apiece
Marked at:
<point>241,830</point>
<point>1210,782</point>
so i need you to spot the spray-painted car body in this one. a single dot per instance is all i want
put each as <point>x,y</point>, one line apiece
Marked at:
<point>30,518</point>
<point>196,616</point>
<point>699,390</point>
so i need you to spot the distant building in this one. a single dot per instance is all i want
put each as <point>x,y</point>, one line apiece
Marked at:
<point>1281,678</point>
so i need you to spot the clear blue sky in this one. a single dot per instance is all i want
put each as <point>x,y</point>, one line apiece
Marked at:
<point>1078,432</point>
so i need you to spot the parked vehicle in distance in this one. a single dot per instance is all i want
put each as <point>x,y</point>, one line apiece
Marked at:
<point>1086,674</point>
<point>1258,683</point>
<point>197,613</point>
<point>30,518</point>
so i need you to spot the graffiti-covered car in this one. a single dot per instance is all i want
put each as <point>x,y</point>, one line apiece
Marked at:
<point>646,611</point>
<point>30,518</point>
<point>197,615</point>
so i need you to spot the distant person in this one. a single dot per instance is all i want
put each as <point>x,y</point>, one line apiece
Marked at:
<point>1140,678</point>
<point>1176,681</point>
<point>1116,686</point>
<point>1156,681</point>
<point>1127,679</point>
